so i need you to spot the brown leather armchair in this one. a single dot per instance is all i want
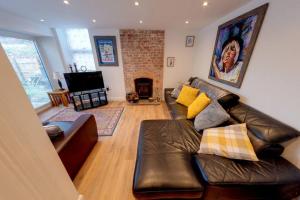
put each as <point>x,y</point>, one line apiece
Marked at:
<point>78,140</point>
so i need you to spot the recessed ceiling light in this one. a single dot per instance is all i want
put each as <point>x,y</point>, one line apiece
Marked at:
<point>66,2</point>
<point>141,21</point>
<point>136,3</point>
<point>205,3</point>
<point>94,21</point>
<point>42,20</point>
<point>187,22</point>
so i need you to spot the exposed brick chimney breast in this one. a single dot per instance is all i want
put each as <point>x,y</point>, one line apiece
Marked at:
<point>143,57</point>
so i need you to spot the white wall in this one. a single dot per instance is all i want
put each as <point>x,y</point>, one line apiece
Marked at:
<point>113,76</point>
<point>175,47</point>
<point>52,58</point>
<point>29,165</point>
<point>61,38</point>
<point>271,83</point>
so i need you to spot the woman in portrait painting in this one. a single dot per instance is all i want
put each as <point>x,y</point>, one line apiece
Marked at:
<point>233,47</point>
<point>229,67</point>
<point>230,51</point>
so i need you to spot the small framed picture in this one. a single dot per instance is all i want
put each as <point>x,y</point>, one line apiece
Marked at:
<point>106,48</point>
<point>171,61</point>
<point>189,41</point>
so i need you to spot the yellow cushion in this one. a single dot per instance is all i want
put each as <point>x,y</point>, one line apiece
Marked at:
<point>230,142</point>
<point>200,103</point>
<point>187,95</point>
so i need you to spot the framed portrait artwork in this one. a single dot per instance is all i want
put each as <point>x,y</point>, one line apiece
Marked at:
<point>171,61</point>
<point>106,48</point>
<point>234,45</point>
<point>189,41</point>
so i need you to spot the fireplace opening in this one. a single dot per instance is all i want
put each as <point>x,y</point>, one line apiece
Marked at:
<point>144,87</point>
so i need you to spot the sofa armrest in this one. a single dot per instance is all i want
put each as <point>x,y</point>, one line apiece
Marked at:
<point>87,120</point>
<point>76,147</point>
<point>229,100</point>
<point>167,92</point>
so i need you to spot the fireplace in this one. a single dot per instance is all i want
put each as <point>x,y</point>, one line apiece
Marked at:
<point>144,87</point>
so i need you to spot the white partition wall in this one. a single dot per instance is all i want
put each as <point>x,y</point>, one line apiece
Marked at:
<point>29,165</point>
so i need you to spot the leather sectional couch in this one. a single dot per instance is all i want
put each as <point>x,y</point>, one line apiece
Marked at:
<point>168,165</point>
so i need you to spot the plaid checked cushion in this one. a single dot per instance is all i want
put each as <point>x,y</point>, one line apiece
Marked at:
<point>230,142</point>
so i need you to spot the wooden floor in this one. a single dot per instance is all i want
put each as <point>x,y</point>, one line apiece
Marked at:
<point>108,172</point>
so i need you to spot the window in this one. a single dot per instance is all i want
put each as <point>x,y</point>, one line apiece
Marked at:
<point>80,48</point>
<point>24,57</point>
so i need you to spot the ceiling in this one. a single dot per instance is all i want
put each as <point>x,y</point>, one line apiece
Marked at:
<point>155,14</point>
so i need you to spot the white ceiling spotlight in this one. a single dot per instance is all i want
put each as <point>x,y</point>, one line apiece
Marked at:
<point>42,20</point>
<point>94,21</point>
<point>136,3</point>
<point>141,21</point>
<point>205,3</point>
<point>187,22</point>
<point>66,2</point>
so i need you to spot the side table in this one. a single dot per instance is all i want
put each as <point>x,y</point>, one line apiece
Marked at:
<point>59,96</point>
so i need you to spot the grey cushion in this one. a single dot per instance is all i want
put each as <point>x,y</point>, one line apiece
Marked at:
<point>212,91</point>
<point>176,91</point>
<point>53,131</point>
<point>212,116</point>
<point>191,79</point>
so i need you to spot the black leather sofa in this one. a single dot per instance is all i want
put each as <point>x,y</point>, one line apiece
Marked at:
<point>169,167</point>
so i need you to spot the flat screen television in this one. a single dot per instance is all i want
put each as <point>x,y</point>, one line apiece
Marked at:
<point>84,81</point>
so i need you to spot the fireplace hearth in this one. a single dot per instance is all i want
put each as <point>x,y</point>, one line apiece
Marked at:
<point>144,87</point>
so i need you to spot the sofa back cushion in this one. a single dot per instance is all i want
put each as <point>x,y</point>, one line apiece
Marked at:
<point>212,91</point>
<point>224,97</point>
<point>175,93</point>
<point>261,125</point>
<point>218,171</point>
<point>262,148</point>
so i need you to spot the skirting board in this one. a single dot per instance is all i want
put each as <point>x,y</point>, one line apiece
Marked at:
<point>116,98</point>
<point>43,108</point>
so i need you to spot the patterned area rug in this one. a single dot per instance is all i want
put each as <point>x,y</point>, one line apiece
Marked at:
<point>106,118</point>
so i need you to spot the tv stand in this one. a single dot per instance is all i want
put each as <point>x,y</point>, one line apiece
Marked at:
<point>89,99</point>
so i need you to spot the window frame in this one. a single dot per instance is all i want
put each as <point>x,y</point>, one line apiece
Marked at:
<point>71,51</point>
<point>36,45</point>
